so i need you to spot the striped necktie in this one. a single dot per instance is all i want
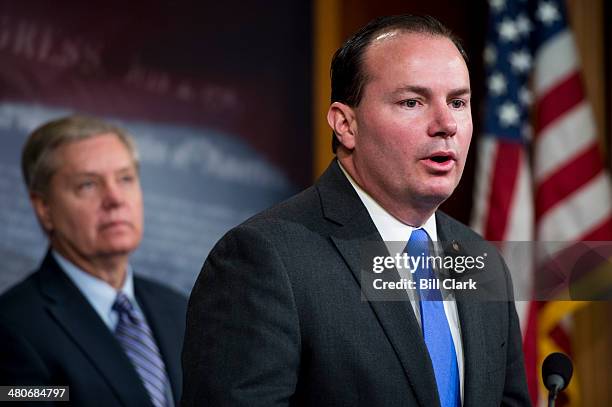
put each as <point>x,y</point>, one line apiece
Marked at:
<point>137,341</point>
<point>436,331</point>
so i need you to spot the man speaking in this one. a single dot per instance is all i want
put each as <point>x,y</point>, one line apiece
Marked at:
<point>276,317</point>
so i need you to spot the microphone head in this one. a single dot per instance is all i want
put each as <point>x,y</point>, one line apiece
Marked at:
<point>557,364</point>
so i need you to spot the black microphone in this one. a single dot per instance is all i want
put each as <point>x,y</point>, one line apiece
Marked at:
<point>556,373</point>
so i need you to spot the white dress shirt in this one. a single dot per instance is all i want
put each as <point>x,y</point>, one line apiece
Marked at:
<point>393,231</point>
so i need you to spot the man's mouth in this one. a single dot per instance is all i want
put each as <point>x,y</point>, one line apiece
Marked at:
<point>441,160</point>
<point>114,224</point>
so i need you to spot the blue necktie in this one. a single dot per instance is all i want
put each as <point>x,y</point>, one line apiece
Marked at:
<point>136,338</point>
<point>436,331</point>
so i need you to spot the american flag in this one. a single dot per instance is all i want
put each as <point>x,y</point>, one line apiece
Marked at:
<point>540,174</point>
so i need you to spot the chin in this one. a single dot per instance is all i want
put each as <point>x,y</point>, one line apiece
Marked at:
<point>432,201</point>
<point>434,197</point>
<point>442,189</point>
<point>122,247</point>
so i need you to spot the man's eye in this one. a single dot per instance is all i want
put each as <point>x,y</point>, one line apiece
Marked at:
<point>409,103</point>
<point>126,179</point>
<point>458,103</point>
<point>85,185</point>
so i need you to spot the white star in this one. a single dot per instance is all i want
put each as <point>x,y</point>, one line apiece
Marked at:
<point>497,5</point>
<point>520,61</point>
<point>507,30</point>
<point>490,54</point>
<point>508,114</point>
<point>525,96</point>
<point>497,84</point>
<point>547,13</point>
<point>523,24</point>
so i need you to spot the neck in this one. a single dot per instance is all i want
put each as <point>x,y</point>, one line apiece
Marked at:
<point>407,210</point>
<point>111,269</point>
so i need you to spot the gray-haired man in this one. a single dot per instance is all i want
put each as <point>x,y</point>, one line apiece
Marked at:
<point>84,320</point>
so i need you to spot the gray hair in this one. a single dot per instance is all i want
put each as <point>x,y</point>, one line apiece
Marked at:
<point>38,158</point>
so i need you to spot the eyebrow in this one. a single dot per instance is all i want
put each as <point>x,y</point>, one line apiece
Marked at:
<point>97,174</point>
<point>421,90</point>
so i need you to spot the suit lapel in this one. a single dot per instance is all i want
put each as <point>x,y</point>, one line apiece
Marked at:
<point>82,324</point>
<point>474,355</point>
<point>166,331</point>
<point>342,205</point>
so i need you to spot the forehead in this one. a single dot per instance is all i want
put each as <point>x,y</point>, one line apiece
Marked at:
<point>99,153</point>
<point>396,52</point>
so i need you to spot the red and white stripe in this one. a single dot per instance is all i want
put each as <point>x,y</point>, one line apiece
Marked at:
<point>562,194</point>
<point>571,186</point>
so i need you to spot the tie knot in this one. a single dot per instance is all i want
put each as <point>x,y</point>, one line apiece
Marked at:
<point>123,305</point>
<point>418,244</point>
<point>419,235</point>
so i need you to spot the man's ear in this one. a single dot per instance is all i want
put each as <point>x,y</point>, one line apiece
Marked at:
<point>341,119</point>
<point>41,208</point>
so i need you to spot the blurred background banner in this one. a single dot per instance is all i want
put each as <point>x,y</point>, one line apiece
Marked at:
<point>216,97</point>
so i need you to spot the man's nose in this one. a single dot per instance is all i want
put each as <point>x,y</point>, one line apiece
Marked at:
<point>113,195</point>
<point>443,123</point>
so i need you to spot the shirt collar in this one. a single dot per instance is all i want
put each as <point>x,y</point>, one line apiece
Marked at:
<point>390,228</point>
<point>99,293</point>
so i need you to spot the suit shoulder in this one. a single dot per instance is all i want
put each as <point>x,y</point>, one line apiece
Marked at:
<point>20,296</point>
<point>298,207</point>
<point>23,308</point>
<point>296,215</point>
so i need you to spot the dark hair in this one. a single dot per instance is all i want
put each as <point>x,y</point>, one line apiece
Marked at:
<point>347,75</point>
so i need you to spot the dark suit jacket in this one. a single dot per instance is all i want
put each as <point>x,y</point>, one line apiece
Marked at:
<point>276,318</point>
<point>51,335</point>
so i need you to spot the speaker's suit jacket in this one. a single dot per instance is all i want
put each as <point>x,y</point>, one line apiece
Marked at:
<point>51,335</point>
<point>276,318</point>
